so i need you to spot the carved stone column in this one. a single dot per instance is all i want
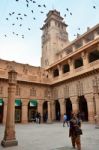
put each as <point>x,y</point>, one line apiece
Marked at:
<point>71,64</point>
<point>24,112</point>
<point>91,107</point>
<point>9,135</point>
<point>40,109</point>
<point>62,108</point>
<point>60,70</point>
<point>97,110</point>
<point>49,120</point>
<point>53,110</point>
<point>74,101</point>
<point>4,112</point>
<point>85,59</point>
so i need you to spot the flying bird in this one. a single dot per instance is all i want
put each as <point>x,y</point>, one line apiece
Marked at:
<point>32,11</point>
<point>44,5</point>
<point>70,13</point>
<point>34,1</point>
<point>10,14</point>
<point>67,9</point>
<point>27,5</point>
<point>64,15</point>
<point>41,12</point>
<point>39,5</point>
<point>6,18</point>
<point>94,7</point>
<point>13,13</point>
<point>25,15</point>
<point>19,14</point>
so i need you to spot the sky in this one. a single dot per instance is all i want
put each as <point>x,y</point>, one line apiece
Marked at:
<point>20,36</point>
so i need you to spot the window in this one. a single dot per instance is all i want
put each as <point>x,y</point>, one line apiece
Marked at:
<point>1,90</point>
<point>66,68</point>
<point>46,92</point>
<point>55,93</point>
<point>78,63</point>
<point>79,87</point>
<point>66,91</point>
<point>93,56</point>
<point>33,92</point>
<point>17,90</point>
<point>55,72</point>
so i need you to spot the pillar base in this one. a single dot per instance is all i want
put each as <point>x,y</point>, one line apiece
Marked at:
<point>8,143</point>
<point>97,126</point>
<point>49,122</point>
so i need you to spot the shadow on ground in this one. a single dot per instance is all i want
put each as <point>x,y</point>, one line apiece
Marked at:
<point>64,148</point>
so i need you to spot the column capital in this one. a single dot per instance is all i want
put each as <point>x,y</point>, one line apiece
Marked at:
<point>70,61</point>
<point>89,97</point>
<point>74,99</point>
<point>62,100</point>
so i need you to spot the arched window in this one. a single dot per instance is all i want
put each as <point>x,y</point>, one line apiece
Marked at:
<point>66,68</point>
<point>78,62</point>
<point>55,72</point>
<point>93,56</point>
<point>1,90</point>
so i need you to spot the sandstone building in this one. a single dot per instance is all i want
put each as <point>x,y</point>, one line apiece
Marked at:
<point>68,79</point>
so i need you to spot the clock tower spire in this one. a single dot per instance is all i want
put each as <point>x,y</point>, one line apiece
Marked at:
<point>54,37</point>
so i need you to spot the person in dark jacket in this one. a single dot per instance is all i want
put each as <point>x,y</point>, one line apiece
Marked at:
<point>75,131</point>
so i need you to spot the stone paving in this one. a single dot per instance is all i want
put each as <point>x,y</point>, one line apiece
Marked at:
<point>51,137</point>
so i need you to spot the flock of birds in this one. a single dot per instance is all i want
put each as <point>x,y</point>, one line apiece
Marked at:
<point>20,16</point>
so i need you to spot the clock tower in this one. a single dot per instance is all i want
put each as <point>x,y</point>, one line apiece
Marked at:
<point>54,37</point>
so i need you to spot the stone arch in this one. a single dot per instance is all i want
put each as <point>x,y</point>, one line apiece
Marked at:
<point>83,108</point>
<point>45,111</point>
<point>32,110</point>
<point>68,105</point>
<point>18,110</point>
<point>57,110</point>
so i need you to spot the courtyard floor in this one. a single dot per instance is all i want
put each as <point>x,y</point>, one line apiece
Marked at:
<point>51,137</point>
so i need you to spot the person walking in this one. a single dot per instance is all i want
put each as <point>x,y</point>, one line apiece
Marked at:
<point>64,119</point>
<point>75,131</point>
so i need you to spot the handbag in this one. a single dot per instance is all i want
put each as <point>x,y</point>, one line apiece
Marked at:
<point>78,131</point>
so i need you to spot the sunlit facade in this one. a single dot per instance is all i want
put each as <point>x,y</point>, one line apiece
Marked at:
<point>67,81</point>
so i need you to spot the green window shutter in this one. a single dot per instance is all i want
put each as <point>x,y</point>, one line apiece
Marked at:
<point>18,102</point>
<point>33,103</point>
<point>1,101</point>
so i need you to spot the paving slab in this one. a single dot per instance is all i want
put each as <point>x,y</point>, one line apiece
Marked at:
<point>51,137</point>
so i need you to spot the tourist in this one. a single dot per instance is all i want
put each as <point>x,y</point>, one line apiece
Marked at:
<point>65,120</point>
<point>75,131</point>
<point>39,117</point>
